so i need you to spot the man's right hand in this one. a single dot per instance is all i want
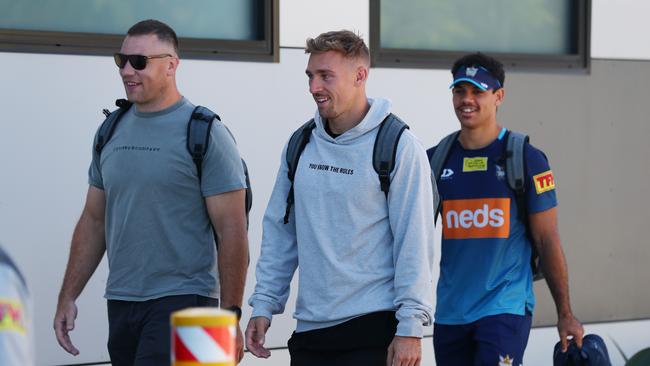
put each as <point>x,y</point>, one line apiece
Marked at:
<point>255,336</point>
<point>66,313</point>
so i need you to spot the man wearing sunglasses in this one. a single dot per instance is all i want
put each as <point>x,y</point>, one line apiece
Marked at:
<point>148,210</point>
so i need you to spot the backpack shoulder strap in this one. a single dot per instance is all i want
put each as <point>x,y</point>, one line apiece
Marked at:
<point>295,147</point>
<point>437,161</point>
<point>198,141</point>
<point>516,175</point>
<point>110,123</point>
<point>198,135</point>
<point>441,152</point>
<point>249,192</point>
<point>515,169</point>
<point>385,149</point>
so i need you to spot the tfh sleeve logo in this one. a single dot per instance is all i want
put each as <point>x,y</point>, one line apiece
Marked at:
<point>544,182</point>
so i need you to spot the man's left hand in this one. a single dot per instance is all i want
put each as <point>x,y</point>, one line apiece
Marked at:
<point>567,326</point>
<point>404,351</point>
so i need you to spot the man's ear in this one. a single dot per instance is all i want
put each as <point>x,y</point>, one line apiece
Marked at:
<point>361,75</point>
<point>501,94</point>
<point>172,65</point>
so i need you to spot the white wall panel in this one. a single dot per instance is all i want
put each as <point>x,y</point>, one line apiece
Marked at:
<point>301,19</point>
<point>618,29</point>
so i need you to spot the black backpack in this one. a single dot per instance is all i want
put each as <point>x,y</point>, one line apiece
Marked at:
<point>198,138</point>
<point>515,173</point>
<point>383,155</point>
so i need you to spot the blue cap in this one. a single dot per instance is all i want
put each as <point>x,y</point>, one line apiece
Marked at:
<point>477,75</point>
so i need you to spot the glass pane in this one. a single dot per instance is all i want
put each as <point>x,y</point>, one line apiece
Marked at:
<point>509,26</point>
<point>207,19</point>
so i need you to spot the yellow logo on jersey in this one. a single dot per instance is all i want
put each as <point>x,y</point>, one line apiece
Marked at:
<point>475,164</point>
<point>11,316</point>
<point>544,182</point>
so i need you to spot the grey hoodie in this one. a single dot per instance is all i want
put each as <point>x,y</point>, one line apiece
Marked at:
<point>357,252</point>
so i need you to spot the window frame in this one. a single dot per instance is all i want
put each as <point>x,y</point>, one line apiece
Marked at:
<point>78,43</point>
<point>431,59</point>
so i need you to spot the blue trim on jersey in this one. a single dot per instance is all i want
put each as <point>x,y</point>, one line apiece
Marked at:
<point>482,275</point>
<point>502,133</point>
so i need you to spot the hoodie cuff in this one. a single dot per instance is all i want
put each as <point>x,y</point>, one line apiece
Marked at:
<point>410,327</point>
<point>262,309</point>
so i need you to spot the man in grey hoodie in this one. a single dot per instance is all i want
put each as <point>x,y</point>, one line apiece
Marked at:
<point>364,259</point>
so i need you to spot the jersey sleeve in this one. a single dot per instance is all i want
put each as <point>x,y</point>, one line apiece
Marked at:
<point>222,166</point>
<point>540,182</point>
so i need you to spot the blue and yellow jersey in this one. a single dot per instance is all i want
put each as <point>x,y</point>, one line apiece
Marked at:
<point>485,260</point>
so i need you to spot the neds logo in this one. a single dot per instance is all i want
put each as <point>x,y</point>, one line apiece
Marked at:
<point>476,218</point>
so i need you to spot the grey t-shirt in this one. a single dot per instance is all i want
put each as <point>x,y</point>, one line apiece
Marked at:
<point>159,239</point>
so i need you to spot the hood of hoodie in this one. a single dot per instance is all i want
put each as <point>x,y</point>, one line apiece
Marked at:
<point>379,109</point>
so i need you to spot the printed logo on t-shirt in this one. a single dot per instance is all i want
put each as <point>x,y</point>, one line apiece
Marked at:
<point>136,148</point>
<point>329,168</point>
<point>478,164</point>
<point>501,173</point>
<point>446,174</point>
<point>544,182</point>
<point>477,218</point>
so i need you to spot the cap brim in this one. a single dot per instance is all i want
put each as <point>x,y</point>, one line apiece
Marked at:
<point>468,81</point>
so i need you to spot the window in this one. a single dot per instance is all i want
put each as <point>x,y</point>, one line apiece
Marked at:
<point>523,34</point>
<point>244,30</point>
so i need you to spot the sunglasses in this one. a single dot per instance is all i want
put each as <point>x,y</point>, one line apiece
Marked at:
<point>139,62</point>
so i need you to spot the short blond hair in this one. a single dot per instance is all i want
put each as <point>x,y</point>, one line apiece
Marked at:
<point>348,43</point>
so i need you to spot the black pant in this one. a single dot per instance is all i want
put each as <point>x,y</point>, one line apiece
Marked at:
<point>139,332</point>
<point>362,341</point>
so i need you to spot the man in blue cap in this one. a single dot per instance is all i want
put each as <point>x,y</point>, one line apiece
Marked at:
<point>485,294</point>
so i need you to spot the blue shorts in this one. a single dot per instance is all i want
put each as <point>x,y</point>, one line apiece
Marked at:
<point>492,340</point>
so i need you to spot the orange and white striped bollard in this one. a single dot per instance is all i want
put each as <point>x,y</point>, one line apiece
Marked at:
<point>203,337</point>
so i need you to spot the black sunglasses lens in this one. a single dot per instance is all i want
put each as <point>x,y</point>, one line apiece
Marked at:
<point>138,62</point>
<point>120,60</point>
